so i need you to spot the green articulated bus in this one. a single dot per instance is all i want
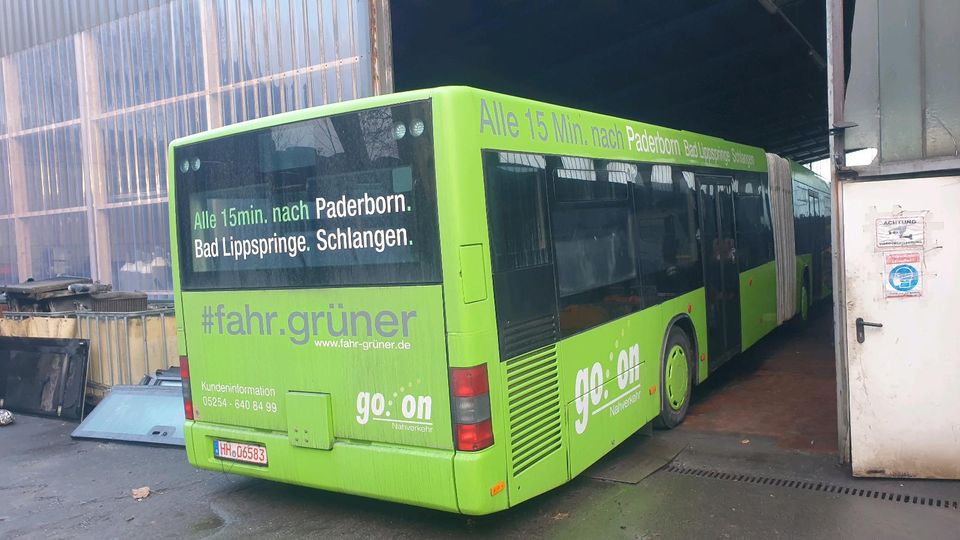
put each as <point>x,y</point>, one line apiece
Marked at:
<point>459,299</point>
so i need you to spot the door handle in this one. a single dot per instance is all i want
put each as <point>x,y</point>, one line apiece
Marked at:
<point>860,324</point>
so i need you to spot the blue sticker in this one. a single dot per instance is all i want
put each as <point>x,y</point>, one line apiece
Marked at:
<point>904,277</point>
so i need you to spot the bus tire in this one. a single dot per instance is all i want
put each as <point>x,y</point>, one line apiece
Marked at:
<point>676,379</point>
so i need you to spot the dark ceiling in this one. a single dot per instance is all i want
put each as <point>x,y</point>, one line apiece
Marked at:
<point>723,67</point>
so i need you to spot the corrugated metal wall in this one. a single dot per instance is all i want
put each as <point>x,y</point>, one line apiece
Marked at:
<point>904,84</point>
<point>85,117</point>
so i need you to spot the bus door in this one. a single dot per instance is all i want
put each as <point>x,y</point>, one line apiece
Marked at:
<point>720,273</point>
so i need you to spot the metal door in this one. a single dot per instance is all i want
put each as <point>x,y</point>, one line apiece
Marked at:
<point>901,257</point>
<point>720,273</point>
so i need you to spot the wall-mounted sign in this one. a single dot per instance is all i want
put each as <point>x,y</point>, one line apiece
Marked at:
<point>903,274</point>
<point>898,232</point>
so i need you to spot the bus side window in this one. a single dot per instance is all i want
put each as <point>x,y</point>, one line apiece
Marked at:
<point>754,232</point>
<point>801,213</point>
<point>593,235</point>
<point>669,251</point>
<point>521,255</point>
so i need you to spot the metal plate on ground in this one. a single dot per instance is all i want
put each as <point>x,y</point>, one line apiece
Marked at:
<point>44,376</point>
<point>635,459</point>
<point>142,414</point>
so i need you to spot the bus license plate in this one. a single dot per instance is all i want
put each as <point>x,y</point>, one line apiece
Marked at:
<point>234,451</point>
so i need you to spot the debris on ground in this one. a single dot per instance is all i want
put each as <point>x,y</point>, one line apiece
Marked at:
<point>141,493</point>
<point>745,441</point>
<point>44,376</point>
<point>120,416</point>
<point>561,515</point>
<point>6,417</point>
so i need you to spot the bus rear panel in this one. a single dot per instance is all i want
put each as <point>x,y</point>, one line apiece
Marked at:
<point>310,294</point>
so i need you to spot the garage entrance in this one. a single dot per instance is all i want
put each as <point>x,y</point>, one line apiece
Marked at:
<point>746,70</point>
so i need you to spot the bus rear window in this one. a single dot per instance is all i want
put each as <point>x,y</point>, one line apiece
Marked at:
<point>345,200</point>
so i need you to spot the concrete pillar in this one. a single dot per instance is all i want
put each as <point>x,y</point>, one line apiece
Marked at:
<point>11,91</point>
<point>211,62</point>
<point>91,148</point>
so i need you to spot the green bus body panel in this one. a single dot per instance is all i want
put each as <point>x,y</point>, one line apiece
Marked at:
<point>697,314</point>
<point>249,348</point>
<point>419,476</point>
<point>473,284</point>
<point>523,125</point>
<point>599,417</point>
<point>471,326</point>
<point>374,455</point>
<point>758,303</point>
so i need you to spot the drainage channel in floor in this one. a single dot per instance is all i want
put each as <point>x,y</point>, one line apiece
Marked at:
<point>821,487</point>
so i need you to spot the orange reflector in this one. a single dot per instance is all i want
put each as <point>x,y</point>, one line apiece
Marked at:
<point>653,390</point>
<point>689,308</point>
<point>703,357</point>
<point>497,488</point>
<point>750,282</point>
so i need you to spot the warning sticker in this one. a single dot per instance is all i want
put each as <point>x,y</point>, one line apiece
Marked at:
<point>903,275</point>
<point>894,232</point>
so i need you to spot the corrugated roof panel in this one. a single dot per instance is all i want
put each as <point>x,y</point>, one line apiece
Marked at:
<point>27,23</point>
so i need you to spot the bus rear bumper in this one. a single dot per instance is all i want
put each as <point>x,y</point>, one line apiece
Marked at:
<point>419,476</point>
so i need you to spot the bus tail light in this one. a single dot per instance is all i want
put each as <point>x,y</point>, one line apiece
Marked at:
<point>187,397</point>
<point>473,437</point>
<point>469,382</point>
<point>471,408</point>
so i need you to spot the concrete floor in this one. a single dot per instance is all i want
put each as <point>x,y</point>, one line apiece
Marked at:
<point>784,387</point>
<point>54,487</point>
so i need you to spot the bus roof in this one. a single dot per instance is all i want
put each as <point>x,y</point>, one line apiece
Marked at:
<point>306,114</point>
<point>682,147</point>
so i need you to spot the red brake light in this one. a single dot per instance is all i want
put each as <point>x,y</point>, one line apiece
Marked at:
<point>185,382</point>
<point>184,368</point>
<point>471,408</point>
<point>469,382</point>
<point>188,409</point>
<point>473,437</point>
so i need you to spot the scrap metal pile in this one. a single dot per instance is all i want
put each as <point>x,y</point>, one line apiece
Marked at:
<point>70,294</point>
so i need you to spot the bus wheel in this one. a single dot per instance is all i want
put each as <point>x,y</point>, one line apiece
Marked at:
<point>676,380</point>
